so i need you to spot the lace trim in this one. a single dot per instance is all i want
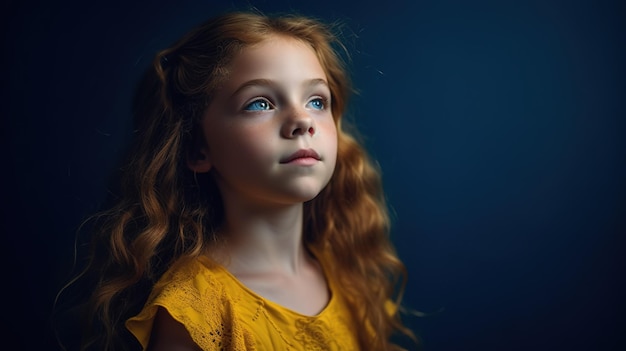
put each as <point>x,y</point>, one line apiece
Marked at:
<point>220,329</point>
<point>312,334</point>
<point>199,300</point>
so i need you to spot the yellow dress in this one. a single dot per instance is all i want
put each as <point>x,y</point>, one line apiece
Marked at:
<point>220,313</point>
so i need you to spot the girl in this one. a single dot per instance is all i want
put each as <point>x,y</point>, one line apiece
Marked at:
<point>250,219</point>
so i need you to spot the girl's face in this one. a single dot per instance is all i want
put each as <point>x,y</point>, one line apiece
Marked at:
<point>270,134</point>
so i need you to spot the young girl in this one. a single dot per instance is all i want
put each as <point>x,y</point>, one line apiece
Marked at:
<point>250,219</point>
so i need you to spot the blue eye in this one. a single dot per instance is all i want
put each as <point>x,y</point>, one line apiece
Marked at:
<point>318,104</point>
<point>258,105</point>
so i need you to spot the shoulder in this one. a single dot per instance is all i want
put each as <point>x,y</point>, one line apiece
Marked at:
<point>191,295</point>
<point>193,288</point>
<point>169,334</point>
<point>189,280</point>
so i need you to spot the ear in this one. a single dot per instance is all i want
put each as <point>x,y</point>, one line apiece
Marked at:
<point>199,161</point>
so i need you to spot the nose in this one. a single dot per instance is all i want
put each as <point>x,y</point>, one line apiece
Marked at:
<point>297,123</point>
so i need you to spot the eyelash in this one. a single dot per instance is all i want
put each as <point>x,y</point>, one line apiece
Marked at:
<point>247,107</point>
<point>258,100</point>
<point>323,100</point>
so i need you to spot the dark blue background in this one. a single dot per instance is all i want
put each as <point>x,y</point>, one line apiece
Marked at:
<point>499,126</point>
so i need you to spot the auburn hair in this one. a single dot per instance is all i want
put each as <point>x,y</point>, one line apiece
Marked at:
<point>166,212</point>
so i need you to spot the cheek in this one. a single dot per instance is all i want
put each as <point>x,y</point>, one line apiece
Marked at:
<point>330,131</point>
<point>330,142</point>
<point>238,147</point>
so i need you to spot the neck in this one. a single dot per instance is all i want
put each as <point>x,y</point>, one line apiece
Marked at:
<point>262,238</point>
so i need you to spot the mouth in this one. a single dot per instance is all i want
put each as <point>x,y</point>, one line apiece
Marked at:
<point>301,155</point>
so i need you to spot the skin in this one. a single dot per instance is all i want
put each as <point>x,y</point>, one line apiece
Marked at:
<point>275,102</point>
<point>267,110</point>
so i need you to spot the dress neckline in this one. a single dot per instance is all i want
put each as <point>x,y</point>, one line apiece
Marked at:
<point>209,263</point>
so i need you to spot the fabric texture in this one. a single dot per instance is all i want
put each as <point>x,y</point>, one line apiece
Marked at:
<point>220,313</point>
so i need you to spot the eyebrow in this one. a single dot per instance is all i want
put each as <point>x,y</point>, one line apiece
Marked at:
<point>271,83</point>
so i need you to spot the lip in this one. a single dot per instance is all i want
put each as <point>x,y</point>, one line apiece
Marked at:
<point>302,154</point>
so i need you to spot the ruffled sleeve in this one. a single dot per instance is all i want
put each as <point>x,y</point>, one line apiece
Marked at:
<point>194,297</point>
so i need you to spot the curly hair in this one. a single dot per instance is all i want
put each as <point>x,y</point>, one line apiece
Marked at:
<point>166,212</point>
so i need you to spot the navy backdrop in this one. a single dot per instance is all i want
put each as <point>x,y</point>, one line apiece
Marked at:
<point>498,125</point>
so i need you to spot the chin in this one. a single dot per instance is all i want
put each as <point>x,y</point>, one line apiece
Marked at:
<point>302,195</point>
<point>306,197</point>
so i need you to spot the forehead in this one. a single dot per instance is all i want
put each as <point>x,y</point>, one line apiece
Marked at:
<point>279,56</point>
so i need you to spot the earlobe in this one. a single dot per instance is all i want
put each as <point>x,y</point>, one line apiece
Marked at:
<point>199,162</point>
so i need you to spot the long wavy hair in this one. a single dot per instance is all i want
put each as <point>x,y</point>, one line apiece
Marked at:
<point>165,212</point>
